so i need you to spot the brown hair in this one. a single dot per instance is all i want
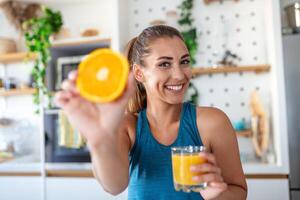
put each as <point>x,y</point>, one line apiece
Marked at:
<point>136,50</point>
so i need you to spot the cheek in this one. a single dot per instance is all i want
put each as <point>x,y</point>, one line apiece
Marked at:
<point>154,82</point>
<point>188,72</point>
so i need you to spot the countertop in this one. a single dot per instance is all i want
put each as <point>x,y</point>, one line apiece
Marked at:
<point>85,170</point>
<point>31,166</point>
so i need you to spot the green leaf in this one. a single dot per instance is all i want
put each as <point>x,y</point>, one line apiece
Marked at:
<point>37,32</point>
<point>190,37</point>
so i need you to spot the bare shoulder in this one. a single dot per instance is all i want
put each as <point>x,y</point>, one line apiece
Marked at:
<point>213,125</point>
<point>211,117</point>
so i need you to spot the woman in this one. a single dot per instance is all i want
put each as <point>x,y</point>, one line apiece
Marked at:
<point>133,149</point>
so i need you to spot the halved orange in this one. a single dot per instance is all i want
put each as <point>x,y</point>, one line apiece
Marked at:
<point>102,76</point>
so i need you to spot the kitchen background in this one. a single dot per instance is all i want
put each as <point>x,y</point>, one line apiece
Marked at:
<point>240,68</point>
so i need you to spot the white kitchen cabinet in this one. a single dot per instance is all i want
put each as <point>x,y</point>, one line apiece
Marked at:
<point>15,188</point>
<point>78,189</point>
<point>263,189</point>
<point>88,188</point>
<point>58,188</point>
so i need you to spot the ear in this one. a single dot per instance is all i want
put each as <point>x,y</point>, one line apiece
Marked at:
<point>138,72</point>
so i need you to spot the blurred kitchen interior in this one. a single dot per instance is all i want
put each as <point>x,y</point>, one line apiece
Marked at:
<point>247,64</point>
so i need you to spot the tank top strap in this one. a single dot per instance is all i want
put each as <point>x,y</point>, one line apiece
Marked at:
<point>189,128</point>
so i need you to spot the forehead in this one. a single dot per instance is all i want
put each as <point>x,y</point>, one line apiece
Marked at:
<point>168,46</point>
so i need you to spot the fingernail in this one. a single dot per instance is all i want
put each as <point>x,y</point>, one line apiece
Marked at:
<point>193,168</point>
<point>195,178</point>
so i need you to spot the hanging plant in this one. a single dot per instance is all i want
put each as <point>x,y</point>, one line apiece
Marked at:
<point>189,33</point>
<point>37,36</point>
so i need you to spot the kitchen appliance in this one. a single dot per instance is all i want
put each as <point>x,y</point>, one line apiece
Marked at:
<point>54,151</point>
<point>58,134</point>
<point>64,66</point>
<point>293,16</point>
<point>291,49</point>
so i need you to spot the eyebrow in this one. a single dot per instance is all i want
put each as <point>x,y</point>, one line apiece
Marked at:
<point>171,58</point>
<point>165,57</point>
<point>185,56</point>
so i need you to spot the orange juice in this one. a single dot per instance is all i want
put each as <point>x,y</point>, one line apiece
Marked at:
<point>181,168</point>
<point>182,159</point>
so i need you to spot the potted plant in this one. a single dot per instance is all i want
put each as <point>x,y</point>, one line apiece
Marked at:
<point>37,37</point>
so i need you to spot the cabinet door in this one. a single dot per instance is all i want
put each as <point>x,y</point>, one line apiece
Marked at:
<point>295,195</point>
<point>15,188</point>
<point>78,189</point>
<point>262,189</point>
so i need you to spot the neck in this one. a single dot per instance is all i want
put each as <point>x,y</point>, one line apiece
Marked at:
<point>163,114</point>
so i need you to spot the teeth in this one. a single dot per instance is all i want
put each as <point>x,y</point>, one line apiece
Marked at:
<point>175,87</point>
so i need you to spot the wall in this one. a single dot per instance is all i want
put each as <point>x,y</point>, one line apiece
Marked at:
<point>241,28</point>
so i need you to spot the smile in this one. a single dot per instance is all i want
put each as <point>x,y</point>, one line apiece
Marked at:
<point>174,87</point>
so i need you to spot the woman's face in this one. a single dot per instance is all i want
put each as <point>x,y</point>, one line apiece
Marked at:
<point>167,71</point>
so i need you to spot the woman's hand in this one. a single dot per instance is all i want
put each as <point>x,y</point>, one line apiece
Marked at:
<point>94,121</point>
<point>210,174</point>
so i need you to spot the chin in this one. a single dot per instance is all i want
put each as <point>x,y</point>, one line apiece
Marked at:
<point>174,100</point>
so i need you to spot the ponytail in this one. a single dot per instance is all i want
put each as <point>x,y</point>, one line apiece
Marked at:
<point>139,100</point>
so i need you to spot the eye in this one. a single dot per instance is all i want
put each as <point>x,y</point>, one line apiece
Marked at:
<point>165,64</point>
<point>185,62</point>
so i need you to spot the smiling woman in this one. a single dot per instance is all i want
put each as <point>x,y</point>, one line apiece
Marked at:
<point>171,72</point>
<point>133,149</point>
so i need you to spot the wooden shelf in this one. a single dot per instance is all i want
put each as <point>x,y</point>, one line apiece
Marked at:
<point>230,69</point>
<point>80,41</point>
<point>89,174</point>
<point>15,92</point>
<point>69,173</point>
<point>245,133</point>
<point>17,57</point>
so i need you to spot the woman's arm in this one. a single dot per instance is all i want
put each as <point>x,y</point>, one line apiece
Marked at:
<point>110,157</point>
<point>106,130</point>
<point>220,138</point>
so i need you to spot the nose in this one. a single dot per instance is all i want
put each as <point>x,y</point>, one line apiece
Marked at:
<point>178,73</point>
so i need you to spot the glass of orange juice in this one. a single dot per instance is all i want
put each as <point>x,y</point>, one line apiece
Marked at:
<point>182,160</point>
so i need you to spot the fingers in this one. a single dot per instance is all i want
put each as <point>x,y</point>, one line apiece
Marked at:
<point>209,172</point>
<point>221,185</point>
<point>67,101</point>
<point>69,90</point>
<point>206,168</point>
<point>72,105</point>
<point>62,98</point>
<point>208,157</point>
<point>69,85</point>
<point>205,178</point>
<point>73,75</point>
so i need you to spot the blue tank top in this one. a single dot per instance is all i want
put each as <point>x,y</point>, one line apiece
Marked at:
<point>150,162</point>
